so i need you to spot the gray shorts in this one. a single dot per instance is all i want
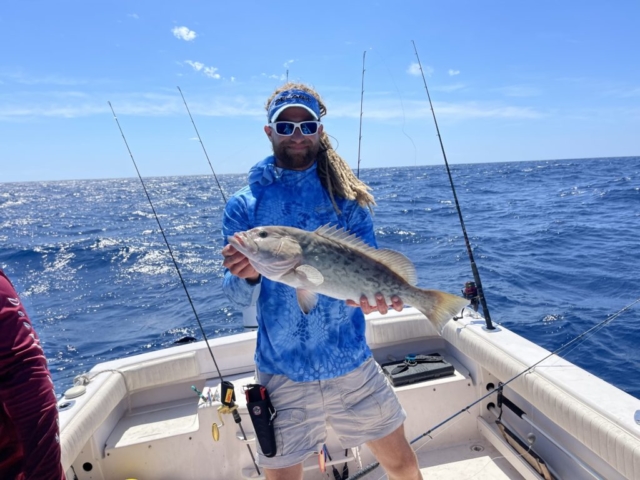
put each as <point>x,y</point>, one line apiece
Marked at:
<point>360,406</point>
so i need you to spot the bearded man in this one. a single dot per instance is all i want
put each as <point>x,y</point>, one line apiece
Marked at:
<point>317,366</point>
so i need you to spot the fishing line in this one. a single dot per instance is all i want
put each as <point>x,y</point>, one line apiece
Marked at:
<point>184,285</point>
<point>404,122</point>
<point>584,335</point>
<point>175,263</point>
<point>574,341</point>
<point>203,149</point>
<point>474,269</point>
<point>337,142</point>
<point>361,102</point>
<point>404,118</point>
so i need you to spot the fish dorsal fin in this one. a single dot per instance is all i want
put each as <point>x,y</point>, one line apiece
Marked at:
<point>393,260</point>
<point>397,262</point>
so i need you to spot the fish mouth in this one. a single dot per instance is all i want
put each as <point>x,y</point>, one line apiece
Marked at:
<point>237,238</point>
<point>242,243</point>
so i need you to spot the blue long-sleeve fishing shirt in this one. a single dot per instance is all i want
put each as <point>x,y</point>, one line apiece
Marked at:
<point>329,341</point>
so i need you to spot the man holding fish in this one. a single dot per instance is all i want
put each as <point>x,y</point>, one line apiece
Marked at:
<point>304,222</point>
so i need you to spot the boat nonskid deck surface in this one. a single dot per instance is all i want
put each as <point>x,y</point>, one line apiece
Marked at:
<point>153,419</point>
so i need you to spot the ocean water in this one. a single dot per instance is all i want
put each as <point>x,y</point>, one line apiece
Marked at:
<point>556,243</point>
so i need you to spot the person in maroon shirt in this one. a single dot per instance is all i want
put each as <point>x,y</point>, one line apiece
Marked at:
<point>29,431</point>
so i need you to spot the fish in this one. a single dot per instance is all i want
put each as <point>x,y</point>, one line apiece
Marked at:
<point>332,261</point>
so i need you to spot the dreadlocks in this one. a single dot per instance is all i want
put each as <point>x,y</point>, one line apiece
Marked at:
<point>335,174</point>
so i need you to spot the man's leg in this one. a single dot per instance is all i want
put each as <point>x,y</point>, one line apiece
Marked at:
<point>396,456</point>
<point>288,473</point>
<point>362,405</point>
<point>300,428</point>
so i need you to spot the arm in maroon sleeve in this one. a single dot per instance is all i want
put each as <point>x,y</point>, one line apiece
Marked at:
<point>29,434</point>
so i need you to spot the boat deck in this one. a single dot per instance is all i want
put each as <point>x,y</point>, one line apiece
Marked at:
<point>478,461</point>
<point>142,419</point>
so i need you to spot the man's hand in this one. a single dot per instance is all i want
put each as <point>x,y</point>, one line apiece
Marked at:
<point>381,304</point>
<point>238,264</point>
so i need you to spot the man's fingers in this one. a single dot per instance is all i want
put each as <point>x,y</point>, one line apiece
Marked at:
<point>381,304</point>
<point>397,303</point>
<point>233,257</point>
<point>364,305</point>
<point>228,249</point>
<point>245,270</point>
<point>237,263</point>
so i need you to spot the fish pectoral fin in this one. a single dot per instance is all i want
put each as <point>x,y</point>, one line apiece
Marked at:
<point>309,275</point>
<point>306,300</point>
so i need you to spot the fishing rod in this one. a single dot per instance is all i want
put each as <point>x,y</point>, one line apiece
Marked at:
<point>250,323</point>
<point>474,268</point>
<point>361,473</point>
<point>501,386</point>
<point>203,149</point>
<point>361,101</point>
<point>227,395</point>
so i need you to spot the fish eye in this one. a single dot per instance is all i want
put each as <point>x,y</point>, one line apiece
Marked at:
<point>263,234</point>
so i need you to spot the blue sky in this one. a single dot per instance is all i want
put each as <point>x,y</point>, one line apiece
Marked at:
<point>510,81</point>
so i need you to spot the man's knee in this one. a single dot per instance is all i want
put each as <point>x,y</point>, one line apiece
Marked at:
<point>396,455</point>
<point>288,473</point>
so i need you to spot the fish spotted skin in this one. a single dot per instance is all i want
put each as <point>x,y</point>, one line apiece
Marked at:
<point>332,262</point>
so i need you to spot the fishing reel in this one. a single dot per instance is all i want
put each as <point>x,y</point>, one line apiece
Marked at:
<point>470,292</point>
<point>228,398</point>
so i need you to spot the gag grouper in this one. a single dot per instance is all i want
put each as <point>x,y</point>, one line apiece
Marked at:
<point>335,263</point>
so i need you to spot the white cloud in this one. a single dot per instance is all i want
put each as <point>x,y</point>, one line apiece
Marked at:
<point>389,109</point>
<point>281,77</point>
<point>210,72</point>
<point>288,63</point>
<point>197,66</point>
<point>519,91</point>
<point>29,105</point>
<point>54,108</point>
<point>141,104</point>
<point>477,110</point>
<point>133,15</point>
<point>49,79</point>
<point>414,69</point>
<point>183,33</point>
<point>628,92</point>
<point>454,72</point>
<point>449,88</point>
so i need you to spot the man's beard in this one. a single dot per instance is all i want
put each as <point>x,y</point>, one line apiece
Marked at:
<point>296,161</point>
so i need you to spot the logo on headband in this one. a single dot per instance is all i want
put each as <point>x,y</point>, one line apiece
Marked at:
<point>293,98</point>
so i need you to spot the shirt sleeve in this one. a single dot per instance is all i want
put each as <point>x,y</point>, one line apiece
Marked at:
<point>235,219</point>
<point>27,400</point>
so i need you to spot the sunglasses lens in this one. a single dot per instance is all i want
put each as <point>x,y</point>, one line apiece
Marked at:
<point>285,128</point>
<point>308,128</point>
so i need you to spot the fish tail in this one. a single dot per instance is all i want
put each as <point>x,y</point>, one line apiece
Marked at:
<point>439,307</point>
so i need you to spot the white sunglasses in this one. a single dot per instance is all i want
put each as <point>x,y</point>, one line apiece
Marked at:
<point>287,128</point>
